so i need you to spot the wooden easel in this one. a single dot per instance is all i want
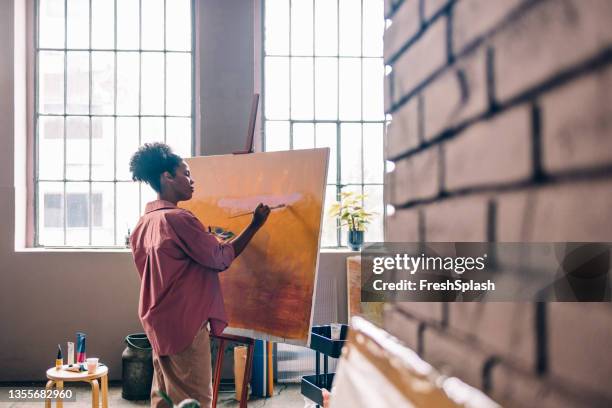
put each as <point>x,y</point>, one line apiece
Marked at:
<point>223,338</point>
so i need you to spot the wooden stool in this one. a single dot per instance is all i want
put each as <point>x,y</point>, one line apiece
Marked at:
<point>58,377</point>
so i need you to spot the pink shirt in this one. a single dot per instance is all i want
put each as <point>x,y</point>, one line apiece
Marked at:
<point>178,262</point>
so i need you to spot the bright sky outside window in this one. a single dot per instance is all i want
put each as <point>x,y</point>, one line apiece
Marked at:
<point>323,87</point>
<point>111,75</point>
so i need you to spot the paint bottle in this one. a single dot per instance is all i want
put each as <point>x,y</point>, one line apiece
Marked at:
<point>70,348</point>
<point>59,361</point>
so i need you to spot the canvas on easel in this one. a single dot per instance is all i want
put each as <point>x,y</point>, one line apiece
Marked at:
<point>269,289</point>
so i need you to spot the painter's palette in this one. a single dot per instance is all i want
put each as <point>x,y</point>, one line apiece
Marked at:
<point>269,289</point>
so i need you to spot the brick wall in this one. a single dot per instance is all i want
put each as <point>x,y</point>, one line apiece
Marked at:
<point>501,130</point>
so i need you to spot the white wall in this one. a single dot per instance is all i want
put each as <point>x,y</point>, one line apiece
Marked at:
<point>46,296</point>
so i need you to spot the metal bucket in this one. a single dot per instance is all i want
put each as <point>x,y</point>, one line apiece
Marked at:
<point>137,367</point>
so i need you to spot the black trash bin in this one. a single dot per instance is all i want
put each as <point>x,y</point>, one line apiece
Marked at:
<point>137,368</point>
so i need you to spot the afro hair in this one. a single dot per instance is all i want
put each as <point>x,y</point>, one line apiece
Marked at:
<point>150,161</point>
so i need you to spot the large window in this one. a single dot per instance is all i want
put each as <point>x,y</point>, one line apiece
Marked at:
<point>110,76</point>
<point>323,87</point>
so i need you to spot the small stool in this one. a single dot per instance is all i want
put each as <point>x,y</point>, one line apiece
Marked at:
<point>58,377</point>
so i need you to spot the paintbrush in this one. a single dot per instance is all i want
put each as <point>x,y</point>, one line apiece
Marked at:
<point>252,212</point>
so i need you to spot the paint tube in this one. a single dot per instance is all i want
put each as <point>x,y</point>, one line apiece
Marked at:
<point>70,348</point>
<point>81,355</point>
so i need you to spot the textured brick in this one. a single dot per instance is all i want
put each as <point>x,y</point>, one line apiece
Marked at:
<point>548,38</point>
<point>417,177</point>
<point>512,222</point>
<point>490,153</point>
<point>577,124</point>
<point>474,18</point>
<point>513,387</point>
<point>432,312</point>
<point>459,94</point>
<point>421,60</point>
<point>431,7</point>
<point>459,219</point>
<point>579,347</point>
<point>403,131</point>
<point>403,327</point>
<point>572,212</point>
<point>454,357</point>
<point>406,23</point>
<point>403,226</point>
<point>506,329</point>
<point>388,95</point>
<point>388,7</point>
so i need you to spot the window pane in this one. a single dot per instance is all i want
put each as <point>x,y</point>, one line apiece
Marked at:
<point>50,213</point>
<point>326,88</point>
<point>373,171</point>
<point>277,136</point>
<point>350,27</point>
<point>350,153</point>
<point>277,87</point>
<point>178,135</point>
<point>77,148</point>
<point>51,148</point>
<point>350,88</point>
<point>127,144</point>
<point>77,87</point>
<point>78,23</point>
<point>51,24</point>
<point>103,144</point>
<point>152,130</point>
<point>301,27</point>
<point>326,137</point>
<point>178,84</point>
<point>326,27</point>
<point>373,202</point>
<point>127,209</point>
<point>152,91</point>
<point>303,135</point>
<point>128,24</point>
<point>147,195</point>
<point>77,213</point>
<point>178,25</point>
<point>277,27</point>
<point>373,77</point>
<point>102,83</point>
<point>302,88</point>
<point>102,24</point>
<point>102,214</point>
<point>329,233</point>
<point>373,28</point>
<point>51,82</point>
<point>153,24</point>
<point>344,229</point>
<point>127,83</point>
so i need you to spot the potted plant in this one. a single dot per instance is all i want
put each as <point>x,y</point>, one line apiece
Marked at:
<point>352,214</point>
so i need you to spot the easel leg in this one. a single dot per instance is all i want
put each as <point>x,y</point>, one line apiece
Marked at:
<point>218,368</point>
<point>247,377</point>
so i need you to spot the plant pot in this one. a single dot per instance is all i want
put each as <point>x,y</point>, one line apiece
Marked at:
<point>355,240</point>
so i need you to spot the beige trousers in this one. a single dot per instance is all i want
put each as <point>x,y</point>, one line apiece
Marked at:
<point>184,375</point>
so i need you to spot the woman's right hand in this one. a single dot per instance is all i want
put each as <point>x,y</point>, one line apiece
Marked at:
<point>260,215</point>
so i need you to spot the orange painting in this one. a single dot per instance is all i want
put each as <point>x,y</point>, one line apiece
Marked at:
<point>269,289</point>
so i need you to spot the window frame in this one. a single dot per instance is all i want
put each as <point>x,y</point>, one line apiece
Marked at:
<point>383,122</point>
<point>32,100</point>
